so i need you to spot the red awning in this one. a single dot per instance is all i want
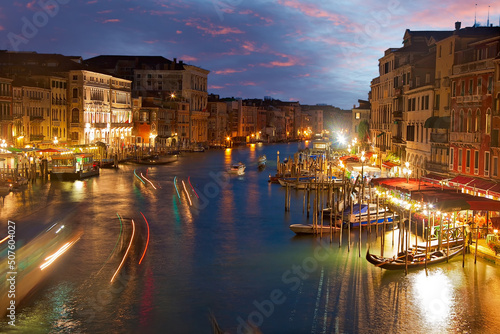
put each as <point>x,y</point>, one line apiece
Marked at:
<point>461,181</point>
<point>480,185</point>
<point>433,178</point>
<point>388,164</point>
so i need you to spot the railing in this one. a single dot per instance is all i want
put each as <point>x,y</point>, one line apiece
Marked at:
<point>6,117</point>
<point>397,114</point>
<point>473,66</point>
<point>465,137</point>
<point>439,137</point>
<point>433,166</point>
<point>460,99</point>
<point>36,137</point>
<point>36,118</point>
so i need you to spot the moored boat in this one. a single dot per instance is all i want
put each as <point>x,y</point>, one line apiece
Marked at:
<point>412,260</point>
<point>376,216</point>
<point>310,229</point>
<point>73,166</point>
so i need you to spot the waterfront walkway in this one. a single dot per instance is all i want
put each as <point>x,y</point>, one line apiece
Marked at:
<point>483,251</point>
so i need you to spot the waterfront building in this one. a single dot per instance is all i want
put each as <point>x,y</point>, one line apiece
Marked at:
<point>57,119</point>
<point>6,115</point>
<point>389,96</point>
<point>217,121</point>
<point>419,100</point>
<point>100,110</point>
<point>447,50</point>
<point>156,76</point>
<point>473,135</point>
<point>360,114</point>
<point>32,104</point>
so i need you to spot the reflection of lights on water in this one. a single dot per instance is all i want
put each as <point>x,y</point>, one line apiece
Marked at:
<point>126,253</point>
<point>51,258</point>
<point>189,180</point>
<point>79,185</point>
<point>177,190</point>
<point>434,296</point>
<point>147,241</point>
<point>187,194</point>
<point>7,237</point>
<point>60,228</point>
<point>145,178</point>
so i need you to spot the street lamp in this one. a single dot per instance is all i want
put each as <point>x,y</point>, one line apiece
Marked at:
<point>55,141</point>
<point>407,171</point>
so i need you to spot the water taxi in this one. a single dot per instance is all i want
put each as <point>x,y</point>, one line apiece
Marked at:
<point>75,166</point>
<point>238,169</point>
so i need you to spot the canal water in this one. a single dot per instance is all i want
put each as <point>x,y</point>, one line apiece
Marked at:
<point>228,254</point>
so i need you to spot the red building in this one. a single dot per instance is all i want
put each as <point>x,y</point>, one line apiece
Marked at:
<point>472,134</point>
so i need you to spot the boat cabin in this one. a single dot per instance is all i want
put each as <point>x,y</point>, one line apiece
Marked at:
<point>72,163</point>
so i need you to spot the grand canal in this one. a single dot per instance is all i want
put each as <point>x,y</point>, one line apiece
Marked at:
<point>230,253</point>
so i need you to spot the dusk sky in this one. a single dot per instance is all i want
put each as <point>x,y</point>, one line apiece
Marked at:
<point>307,51</point>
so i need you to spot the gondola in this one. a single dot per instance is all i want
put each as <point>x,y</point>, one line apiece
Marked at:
<point>414,260</point>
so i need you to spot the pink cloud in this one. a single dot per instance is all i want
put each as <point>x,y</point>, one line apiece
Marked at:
<point>211,29</point>
<point>105,11</point>
<point>215,87</point>
<point>291,61</point>
<point>31,5</point>
<point>250,12</point>
<point>303,75</point>
<point>249,46</point>
<point>178,32</point>
<point>188,58</point>
<point>91,2</point>
<point>314,11</point>
<point>248,83</point>
<point>229,71</point>
<point>111,21</point>
<point>152,42</point>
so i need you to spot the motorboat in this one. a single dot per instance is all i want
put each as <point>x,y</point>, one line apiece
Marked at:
<point>238,169</point>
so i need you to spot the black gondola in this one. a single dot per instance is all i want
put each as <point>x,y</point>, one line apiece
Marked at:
<point>414,260</point>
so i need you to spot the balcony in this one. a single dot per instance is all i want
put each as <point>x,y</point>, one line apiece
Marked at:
<point>460,99</point>
<point>6,118</point>
<point>473,66</point>
<point>397,114</point>
<point>74,125</point>
<point>36,118</point>
<point>477,98</point>
<point>56,123</point>
<point>439,137</point>
<point>465,137</point>
<point>438,167</point>
<point>100,125</point>
<point>36,137</point>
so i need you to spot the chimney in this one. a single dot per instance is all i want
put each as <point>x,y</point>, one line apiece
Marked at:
<point>457,25</point>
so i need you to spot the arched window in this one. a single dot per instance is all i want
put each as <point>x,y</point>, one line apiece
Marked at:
<point>469,121</point>
<point>488,121</point>
<point>461,121</point>
<point>453,119</point>
<point>477,123</point>
<point>75,116</point>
